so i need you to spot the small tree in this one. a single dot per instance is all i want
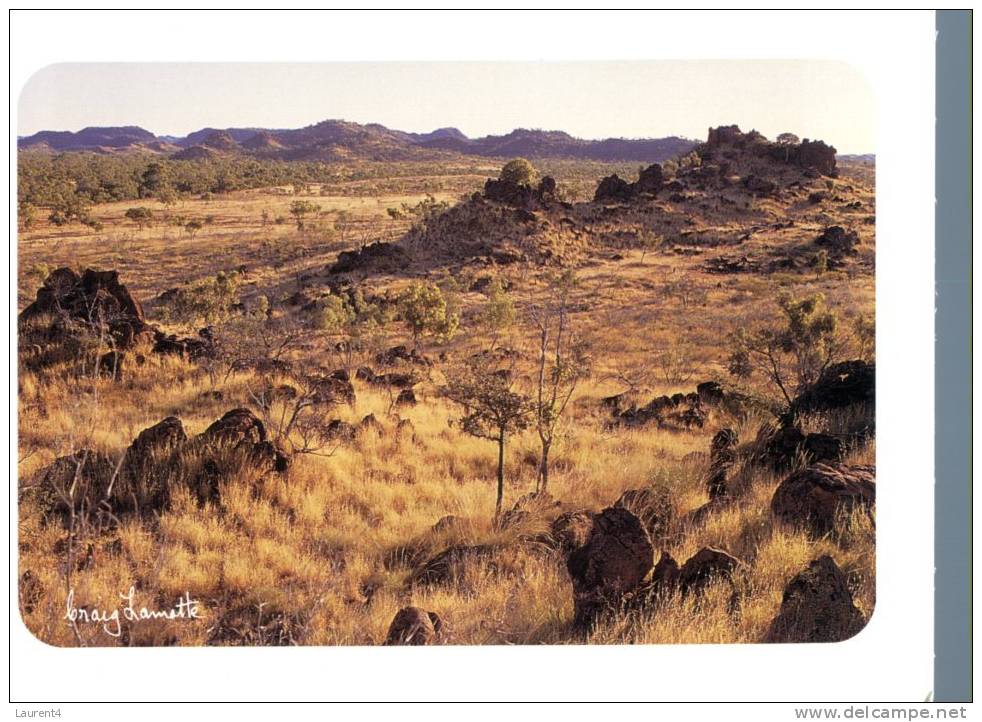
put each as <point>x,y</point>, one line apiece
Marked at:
<point>864,330</point>
<point>499,311</point>
<point>300,209</point>
<point>787,140</point>
<point>142,216</point>
<point>518,171</point>
<point>26,214</point>
<point>493,410</point>
<point>792,356</point>
<point>426,312</point>
<point>647,241</point>
<point>561,364</point>
<point>192,227</point>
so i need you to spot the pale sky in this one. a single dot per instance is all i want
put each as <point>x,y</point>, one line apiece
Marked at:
<point>815,99</point>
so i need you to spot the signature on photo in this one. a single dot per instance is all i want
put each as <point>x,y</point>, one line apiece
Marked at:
<point>111,620</point>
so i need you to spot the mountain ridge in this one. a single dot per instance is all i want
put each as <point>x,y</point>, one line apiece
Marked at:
<point>335,140</point>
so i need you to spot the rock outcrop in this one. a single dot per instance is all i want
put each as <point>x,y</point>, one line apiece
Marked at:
<point>838,241</point>
<point>95,304</point>
<point>519,195</point>
<point>413,626</point>
<point>611,565</point>
<point>818,496</point>
<point>817,606</point>
<point>704,567</point>
<point>614,188</point>
<point>840,385</point>
<point>722,455</point>
<point>379,257</point>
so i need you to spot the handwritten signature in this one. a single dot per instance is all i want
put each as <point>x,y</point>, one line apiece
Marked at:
<point>111,620</point>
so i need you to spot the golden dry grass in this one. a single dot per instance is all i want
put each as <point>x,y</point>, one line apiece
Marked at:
<point>307,557</point>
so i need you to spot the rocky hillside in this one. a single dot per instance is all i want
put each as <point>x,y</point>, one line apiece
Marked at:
<point>740,202</point>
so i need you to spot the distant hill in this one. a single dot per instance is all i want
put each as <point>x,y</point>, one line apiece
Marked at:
<point>857,157</point>
<point>337,140</point>
<point>557,144</point>
<point>89,139</point>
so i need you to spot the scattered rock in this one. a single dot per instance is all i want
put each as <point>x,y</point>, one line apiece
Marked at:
<point>611,565</point>
<point>722,455</point>
<point>449,564</point>
<point>705,566</point>
<point>838,240</point>
<point>339,430</point>
<point>615,188</point>
<point>840,385</point>
<point>379,257</point>
<point>332,389</point>
<point>406,397</point>
<point>91,474</point>
<point>370,423</point>
<point>413,626</point>
<point>781,447</point>
<point>111,365</point>
<point>815,497</point>
<point>142,484</point>
<point>726,265</point>
<point>403,354</point>
<point>817,607</point>
<point>238,426</point>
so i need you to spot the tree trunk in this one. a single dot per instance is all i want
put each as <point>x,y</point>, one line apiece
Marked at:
<point>544,468</point>
<point>501,474</point>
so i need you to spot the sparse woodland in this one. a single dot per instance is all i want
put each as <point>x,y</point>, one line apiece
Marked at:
<point>415,402</point>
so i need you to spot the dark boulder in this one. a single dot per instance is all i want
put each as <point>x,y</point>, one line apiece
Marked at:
<point>238,426</point>
<point>817,496</point>
<point>379,257</point>
<point>370,423</point>
<point>145,470</point>
<point>338,430</point>
<point>665,576</point>
<point>722,455</point>
<point>613,188</point>
<point>840,385</point>
<point>332,390</point>
<point>704,567</point>
<point>838,240</point>
<point>403,354</point>
<point>611,565</point>
<point>784,445</point>
<point>817,606</point>
<point>413,626</point>
<point>90,473</point>
<point>650,180</point>
<point>406,397</point>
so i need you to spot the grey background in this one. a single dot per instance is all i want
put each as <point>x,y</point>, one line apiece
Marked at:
<point>953,374</point>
